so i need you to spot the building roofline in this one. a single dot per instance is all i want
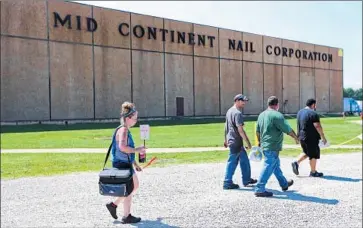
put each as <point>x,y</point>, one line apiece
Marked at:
<point>68,1</point>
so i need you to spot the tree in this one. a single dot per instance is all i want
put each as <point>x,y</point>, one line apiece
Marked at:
<point>358,94</point>
<point>351,93</point>
<point>348,92</point>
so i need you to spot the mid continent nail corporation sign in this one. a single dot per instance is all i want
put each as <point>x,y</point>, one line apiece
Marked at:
<point>189,38</point>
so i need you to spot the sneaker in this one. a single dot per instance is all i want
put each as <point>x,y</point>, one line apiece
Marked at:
<point>289,183</point>
<point>130,219</point>
<point>316,174</point>
<point>263,194</point>
<point>230,186</point>
<point>295,168</point>
<point>112,209</point>
<point>252,181</point>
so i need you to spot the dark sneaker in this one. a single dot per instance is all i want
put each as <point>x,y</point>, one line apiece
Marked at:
<point>230,186</point>
<point>130,219</point>
<point>289,183</point>
<point>295,168</point>
<point>252,181</point>
<point>316,174</point>
<point>112,209</point>
<point>263,194</point>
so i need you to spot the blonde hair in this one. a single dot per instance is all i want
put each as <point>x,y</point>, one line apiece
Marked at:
<point>127,109</point>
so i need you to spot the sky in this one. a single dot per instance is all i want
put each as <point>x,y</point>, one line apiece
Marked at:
<point>334,24</point>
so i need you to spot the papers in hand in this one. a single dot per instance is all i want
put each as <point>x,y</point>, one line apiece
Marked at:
<point>255,154</point>
<point>322,145</point>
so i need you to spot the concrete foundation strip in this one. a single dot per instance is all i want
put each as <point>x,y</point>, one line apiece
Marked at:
<point>157,150</point>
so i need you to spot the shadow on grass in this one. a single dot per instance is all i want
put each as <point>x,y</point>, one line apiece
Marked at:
<point>149,223</point>
<point>293,195</point>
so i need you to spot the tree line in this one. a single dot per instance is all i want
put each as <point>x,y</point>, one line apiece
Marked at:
<point>356,94</point>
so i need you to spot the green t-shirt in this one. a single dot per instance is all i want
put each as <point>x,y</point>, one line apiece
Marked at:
<point>271,125</point>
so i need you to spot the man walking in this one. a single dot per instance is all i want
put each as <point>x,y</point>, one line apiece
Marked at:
<point>310,132</point>
<point>271,125</point>
<point>234,134</point>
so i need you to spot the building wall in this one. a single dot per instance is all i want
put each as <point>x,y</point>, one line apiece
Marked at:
<point>57,69</point>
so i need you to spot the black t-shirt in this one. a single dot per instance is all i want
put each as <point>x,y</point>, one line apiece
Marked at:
<point>305,125</point>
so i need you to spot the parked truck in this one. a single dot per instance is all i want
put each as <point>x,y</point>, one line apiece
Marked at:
<point>352,107</point>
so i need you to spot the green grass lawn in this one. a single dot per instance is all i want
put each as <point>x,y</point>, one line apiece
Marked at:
<point>45,164</point>
<point>163,134</point>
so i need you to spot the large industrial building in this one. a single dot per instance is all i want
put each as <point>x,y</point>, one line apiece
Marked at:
<point>69,61</point>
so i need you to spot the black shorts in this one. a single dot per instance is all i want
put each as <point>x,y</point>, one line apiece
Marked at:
<point>311,148</point>
<point>121,165</point>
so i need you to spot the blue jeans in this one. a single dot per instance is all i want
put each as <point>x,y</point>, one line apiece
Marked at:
<point>271,165</point>
<point>238,155</point>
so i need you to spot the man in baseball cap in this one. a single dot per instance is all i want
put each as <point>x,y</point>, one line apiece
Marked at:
<point>240,97</point>
<point>234,134</point>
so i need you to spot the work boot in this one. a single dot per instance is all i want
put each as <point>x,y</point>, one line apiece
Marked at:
<point>263,194</point>
<point>228,186</point>
<point>289,183</point>
<point>252,181</point>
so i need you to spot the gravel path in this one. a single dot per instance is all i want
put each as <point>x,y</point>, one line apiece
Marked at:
<point>192,196</point>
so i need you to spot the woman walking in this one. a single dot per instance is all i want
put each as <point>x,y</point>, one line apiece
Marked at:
<point>123,156</point>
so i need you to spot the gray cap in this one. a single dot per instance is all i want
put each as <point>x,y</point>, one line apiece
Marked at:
<point>240,97</point>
